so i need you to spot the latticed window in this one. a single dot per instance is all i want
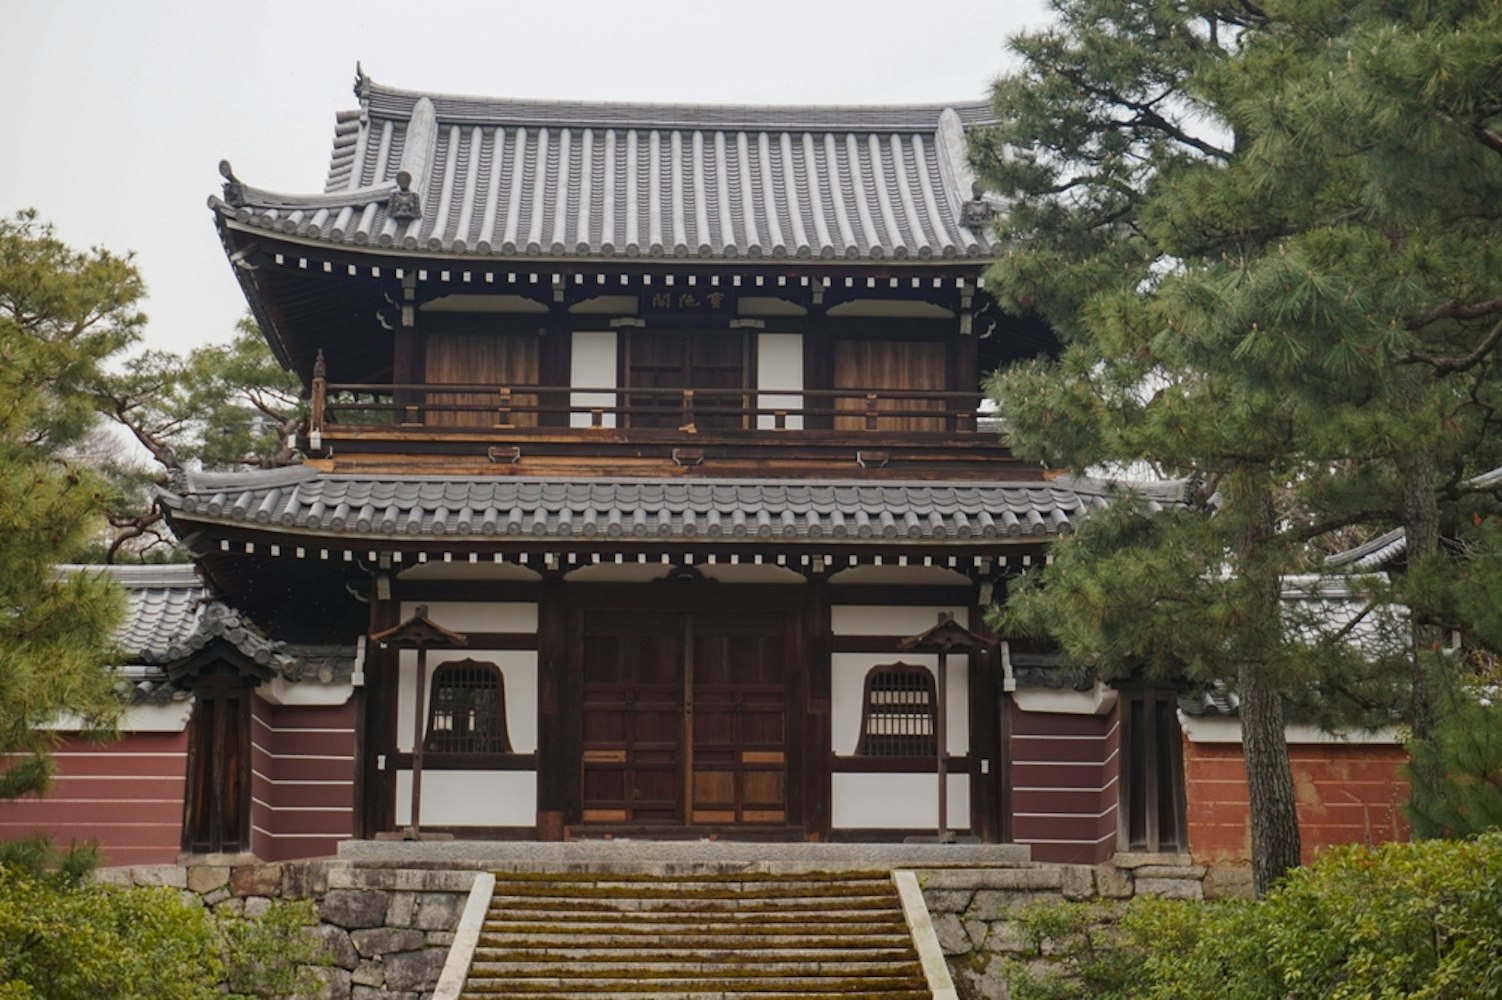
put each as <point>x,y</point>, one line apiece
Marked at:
<point>468,711</point>
<point>899,714</point>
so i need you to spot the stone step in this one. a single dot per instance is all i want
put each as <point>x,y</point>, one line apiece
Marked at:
<point>715,935</point>
<point>793,986</point>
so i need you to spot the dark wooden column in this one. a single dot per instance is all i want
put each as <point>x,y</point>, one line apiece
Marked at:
<point>816,756</point>
<point>558,724</point>
<point>375,720</point>
<point>987,766</point>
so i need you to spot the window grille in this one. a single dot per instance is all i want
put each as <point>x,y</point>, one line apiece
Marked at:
<point>468,710</point>
<point>899,716</point>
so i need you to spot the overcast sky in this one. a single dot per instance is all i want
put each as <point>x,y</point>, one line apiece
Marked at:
<point>115,115</point>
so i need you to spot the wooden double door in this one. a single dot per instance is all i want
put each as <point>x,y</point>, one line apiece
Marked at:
<point>685,717</point>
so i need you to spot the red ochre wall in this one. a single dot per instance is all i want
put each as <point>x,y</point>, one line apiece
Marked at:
<point>1064,785</point>
<point>125,796</point>
<point>1346,794</point>
<point>302,761</point>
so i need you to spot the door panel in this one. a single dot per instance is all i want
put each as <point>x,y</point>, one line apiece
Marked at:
<point>633,717</point>
<point>652,677</point>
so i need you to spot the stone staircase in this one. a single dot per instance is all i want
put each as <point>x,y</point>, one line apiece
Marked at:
<point>696,933</point>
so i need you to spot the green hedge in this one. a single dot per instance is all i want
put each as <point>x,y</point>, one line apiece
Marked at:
<point>1421,921</point>
<point>64,940</point>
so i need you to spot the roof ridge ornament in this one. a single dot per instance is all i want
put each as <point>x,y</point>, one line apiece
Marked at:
<point>978,211</point>
<point>234,188</point>
<point>362,83</point>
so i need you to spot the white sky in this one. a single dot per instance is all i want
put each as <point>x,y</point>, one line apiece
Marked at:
<point>115,115</point>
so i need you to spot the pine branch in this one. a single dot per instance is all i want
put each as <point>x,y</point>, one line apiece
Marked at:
<point>1451,366</point>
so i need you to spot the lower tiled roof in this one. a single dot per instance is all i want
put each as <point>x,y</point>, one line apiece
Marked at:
<point>170,615</point>
<point>305,500</point>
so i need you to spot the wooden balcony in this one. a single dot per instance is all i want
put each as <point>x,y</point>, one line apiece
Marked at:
<point>614,431</point>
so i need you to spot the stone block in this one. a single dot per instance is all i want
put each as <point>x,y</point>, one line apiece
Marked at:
<point>1031,877</point>
<point>1077,881</point>
<point>307,879</point>
<point>979,932</point>
<point>1140,859</point>
<point>335,984</point>
<point>354,908</point>
<point>257,906</point>
<point>948,900</point>
<point>414,970</point>
<point>1170,871</point>
<point>437,911</point>
<point>256,880</point>
<point>1112,882</point>
<point>204,879</point>
<point>403,905</point>
<point>951,934</point>
<point>439,939</point>
<point>997,904</point>
<point>171,876</point>
<point>216,897</point>
<point>1006,938</point>
<point>1171,888</point>
<point>336,943</point>
<point>369,973</point>
<point>113,876</point>
<point>377,941</point>
<point>231,905</point>
<point>1229,883</point>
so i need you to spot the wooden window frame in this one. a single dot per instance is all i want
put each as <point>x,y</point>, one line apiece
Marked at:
<point>464,734</point>
<point>893,745</point>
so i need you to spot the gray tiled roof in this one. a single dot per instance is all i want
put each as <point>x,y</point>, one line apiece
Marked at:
<point>170,616</point>
<point>568,180</point>
<point>301,499</point>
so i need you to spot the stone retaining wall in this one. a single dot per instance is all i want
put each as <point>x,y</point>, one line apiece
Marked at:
<point>976,910</point>
<point>387,930</point>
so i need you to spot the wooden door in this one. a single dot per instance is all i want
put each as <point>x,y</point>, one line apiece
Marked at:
<point>676,360</point>
<point>685,718</point>
<point>738,717</point>
<point>633,717</point>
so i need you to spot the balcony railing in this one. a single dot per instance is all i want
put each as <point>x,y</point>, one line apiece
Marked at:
<point>538,408</point>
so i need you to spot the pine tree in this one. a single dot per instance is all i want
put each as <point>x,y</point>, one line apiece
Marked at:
<point>1264,235</point>
<point>62,314</point>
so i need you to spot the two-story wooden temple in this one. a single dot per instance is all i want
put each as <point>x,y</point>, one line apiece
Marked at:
<point>647,491</point>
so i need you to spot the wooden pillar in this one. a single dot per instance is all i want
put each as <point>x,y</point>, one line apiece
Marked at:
<point>375,721</point>
<point>558,746</point>
<point>987,758</point>
<point>817,733</point>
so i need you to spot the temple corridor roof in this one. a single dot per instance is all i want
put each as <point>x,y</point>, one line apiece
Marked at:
<point>477,176</point>
<point>303,500</point>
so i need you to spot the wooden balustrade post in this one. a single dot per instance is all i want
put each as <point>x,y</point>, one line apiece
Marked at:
<point>503,411</point>
<point>688,411</point>
<point>871,411</point>
<point>318,402</point>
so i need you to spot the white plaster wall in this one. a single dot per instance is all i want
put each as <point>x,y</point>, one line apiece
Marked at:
<point>470,798</point>
<point>779,365</point>
<point>593,365</point>
<point>847,681</point>
<point>488,570</point>
<point>477,616</point>
<point>519,673</point>
<point>869,619</point>
<point>897,801</point>
<point>280,691</point>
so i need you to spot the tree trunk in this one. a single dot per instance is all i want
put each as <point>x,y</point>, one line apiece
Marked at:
<point>1269,774</point>
<point>1421,524</point>
<point>1269,781</point>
